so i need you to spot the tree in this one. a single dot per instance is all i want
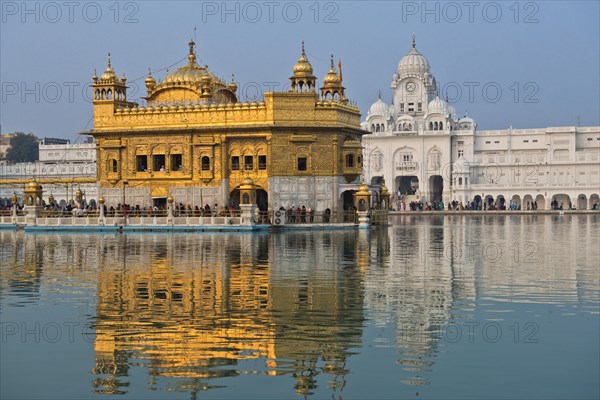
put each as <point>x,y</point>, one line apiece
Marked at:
<point>23,148</point>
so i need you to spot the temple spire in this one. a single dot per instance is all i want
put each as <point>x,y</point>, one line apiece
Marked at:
<point>414,43</point>
<point>192,55</point>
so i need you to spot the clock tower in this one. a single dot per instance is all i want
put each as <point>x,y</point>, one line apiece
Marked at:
<point>414,86</point>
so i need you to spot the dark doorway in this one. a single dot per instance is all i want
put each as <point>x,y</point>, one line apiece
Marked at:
<point>408,185</point>
<point>160,202</point>
<point>262,200</point>
<point>348,200</point>
<point>436,187</point>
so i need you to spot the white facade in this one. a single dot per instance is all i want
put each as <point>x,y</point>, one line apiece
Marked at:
<point>425,153</point>
<point>60,162</point>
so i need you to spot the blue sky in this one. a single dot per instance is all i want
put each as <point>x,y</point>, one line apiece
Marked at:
<point>525,64</point>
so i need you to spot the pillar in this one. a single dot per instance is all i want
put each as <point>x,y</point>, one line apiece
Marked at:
<point>363,201</point>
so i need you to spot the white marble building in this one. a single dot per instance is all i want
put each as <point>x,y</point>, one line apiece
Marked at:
<point>56,161</point>
<point>422,150</point>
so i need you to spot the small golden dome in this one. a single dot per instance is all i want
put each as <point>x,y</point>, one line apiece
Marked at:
<point>170,199</point>
<point>248,181</point>
<point>232,85</point>
<point>363,188</point>
<point>150,81</point>
<point>109,73</point>
<point>332,78</point>
<point>303,68</point>
<point>383,190</point>
<point>32,185</point>
<point>101,200</point>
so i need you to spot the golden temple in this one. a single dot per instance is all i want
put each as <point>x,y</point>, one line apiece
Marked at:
<point>195,141</point>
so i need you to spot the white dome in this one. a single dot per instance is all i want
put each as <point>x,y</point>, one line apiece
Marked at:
<point>466,120</point>
<point>438,106</point>
<point>379,108</point>
<point>461,165</point>
<point>413,64</point>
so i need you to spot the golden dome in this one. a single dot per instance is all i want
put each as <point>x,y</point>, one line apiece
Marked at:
<point>332,78</point>
<point>192,72</point>
<point>363,188</point>
<point>101,200</point>
<point>150,81</point>
<point>303,68</point>
<point>383,190</point>
<point>232,85</point>
<point>32,185</point>
<point>109,73</point>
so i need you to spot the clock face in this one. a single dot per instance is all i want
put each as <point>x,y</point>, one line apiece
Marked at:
<point>410,86</point>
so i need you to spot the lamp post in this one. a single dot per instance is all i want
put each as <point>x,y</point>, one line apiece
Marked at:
<point>125,183</point>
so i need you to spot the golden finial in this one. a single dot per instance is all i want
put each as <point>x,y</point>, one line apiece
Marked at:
<point>149,71</point>
<point>109,60</point>
<point>414,43</point>
<point>379,93</point>
<point>303,53</point>
<point>192,56</point>
<point>332,61</point>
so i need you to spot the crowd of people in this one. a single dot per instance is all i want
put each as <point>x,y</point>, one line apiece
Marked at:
<point>302,215</point>
<point>460,206</point>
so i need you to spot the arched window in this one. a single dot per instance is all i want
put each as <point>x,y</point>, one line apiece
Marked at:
<point>97,94</point>
<point>435,126</point>
<point>109,94</point>
<point>377,128</point>
<point>113,165</point>
<point>441,126</point>
<point>372,127</point>
<point>350,160</point>
<point>459,181</point>
<point>431,126</point>
<point>205,163</point>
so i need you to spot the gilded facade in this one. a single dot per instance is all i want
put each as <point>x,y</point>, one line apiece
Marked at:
<point>196,141</point>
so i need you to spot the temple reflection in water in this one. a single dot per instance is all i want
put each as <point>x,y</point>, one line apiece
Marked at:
<point>195,307</point>
<point>189,309</point>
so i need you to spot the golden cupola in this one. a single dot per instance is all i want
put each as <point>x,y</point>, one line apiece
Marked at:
<point>150,82</point>
<point>332,89</point>
<point>109,75</point>
<point>303,79</point>
<point>232,85</point>
<point>191,83</point>
<point>109,88</point>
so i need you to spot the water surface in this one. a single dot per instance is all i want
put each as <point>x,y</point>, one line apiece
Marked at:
<point>431,307</point>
